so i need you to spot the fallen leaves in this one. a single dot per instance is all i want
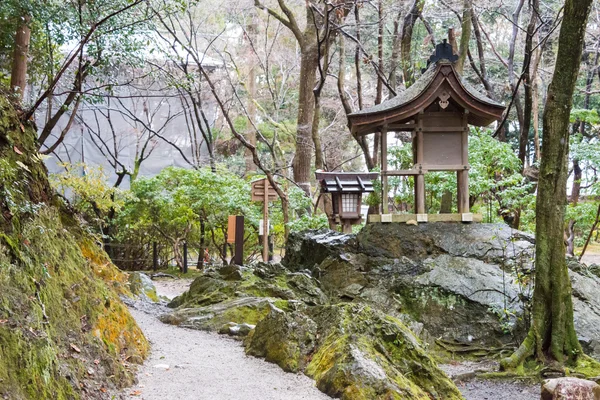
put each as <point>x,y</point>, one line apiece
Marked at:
<point>136,393</point>
<point>75,348</point>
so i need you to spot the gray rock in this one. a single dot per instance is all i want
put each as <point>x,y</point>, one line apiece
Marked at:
<point>313,246</point>
<point>458,280</point>
<point>586,312</point>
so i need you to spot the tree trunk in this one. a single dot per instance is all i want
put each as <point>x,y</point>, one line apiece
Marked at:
<point>576,188</point>
<point>306,108</point>
<point>465,36</point>
<point>552,333</point>
<point>406,42</point>
<point>251,31</point>
<point>341,83</point>
<point>571,238</point>
<point>18,76</point>
<point>526,75</point>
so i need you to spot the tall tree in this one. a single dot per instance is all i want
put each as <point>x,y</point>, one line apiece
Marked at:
<point>311,50</point>
<point>552,334</point>
<point>18,77</point>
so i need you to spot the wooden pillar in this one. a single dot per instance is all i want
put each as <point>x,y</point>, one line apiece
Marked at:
<point>238,257</point>
<point>419,179</point>
<point>459,192</point>
<point>385,207</point>
<point>266,222</point>
<point>154,256</point>
<point>462,177</point>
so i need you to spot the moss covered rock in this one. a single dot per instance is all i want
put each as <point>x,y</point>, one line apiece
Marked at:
<point>248,310</point>
<point>64,332</point>
<point>214,298</point>
<point>284,338</point>
<point>353,352</point>
<point>142,286</point>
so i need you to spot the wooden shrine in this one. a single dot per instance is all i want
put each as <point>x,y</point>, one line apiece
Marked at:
<point>437,109</point>
<point>346,189</point>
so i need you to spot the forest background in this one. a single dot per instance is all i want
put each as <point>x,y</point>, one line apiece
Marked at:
<point>263,89</point>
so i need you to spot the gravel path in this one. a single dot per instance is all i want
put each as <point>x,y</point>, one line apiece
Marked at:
<point>472,388</point>
<point>478,389</point>
<point>189,364</point>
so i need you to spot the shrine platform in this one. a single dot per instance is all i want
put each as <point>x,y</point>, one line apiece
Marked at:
<point>422,218</point>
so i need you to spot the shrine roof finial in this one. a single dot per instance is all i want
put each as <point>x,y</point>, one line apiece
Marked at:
<point>443,51</point>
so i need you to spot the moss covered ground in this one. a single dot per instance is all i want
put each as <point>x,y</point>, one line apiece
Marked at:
<point>64,332</point>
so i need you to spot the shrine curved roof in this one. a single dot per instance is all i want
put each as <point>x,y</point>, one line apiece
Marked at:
<point>423,92</point>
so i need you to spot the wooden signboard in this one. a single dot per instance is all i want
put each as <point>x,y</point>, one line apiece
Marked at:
<point>231,229</point>
<point>258,191</point>
<point>263,191</point>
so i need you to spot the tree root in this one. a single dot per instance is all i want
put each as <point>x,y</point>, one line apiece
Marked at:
<point>456,347</point>
<point>525,350</point>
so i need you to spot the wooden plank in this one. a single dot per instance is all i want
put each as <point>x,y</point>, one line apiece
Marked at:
<point>444,129</point>
<point>238,257</point>
<point>420,179</point>
<point>402,127</point>
<point>405,172</point>
<point>403,218</point>
<point>449,167</point>
<point>266,225</point>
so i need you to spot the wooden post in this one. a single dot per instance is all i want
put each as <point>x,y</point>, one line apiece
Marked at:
<point>462,177</point>
<point>185,258</point>
<point>266,223</point>
<point>154,256</point>
<point>200,264</point>
<point>420,179</point>
<point>385,207</point>
<point>238,258</point>
<point>346,227</point>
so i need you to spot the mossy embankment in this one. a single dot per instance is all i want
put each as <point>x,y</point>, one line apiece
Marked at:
<point>64,333</point>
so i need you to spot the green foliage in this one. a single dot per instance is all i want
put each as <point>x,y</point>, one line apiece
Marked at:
<point>494,178</point>
<point>57,26</point>
<point>169,207</point>
<point>89,191</point>
<point>583,115</point>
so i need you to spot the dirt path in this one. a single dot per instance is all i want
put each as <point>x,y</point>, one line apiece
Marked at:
<point>189,364</point>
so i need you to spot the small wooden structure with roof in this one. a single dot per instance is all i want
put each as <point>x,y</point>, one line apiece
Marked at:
<point>346,189</point>
<point>438,109</point>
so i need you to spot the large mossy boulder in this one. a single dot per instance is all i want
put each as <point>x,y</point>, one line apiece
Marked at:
<point>352,351</point>
<point>284,338</point>
<point>466,284</point>
<point>241,295</point>
<point>64,332</point>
